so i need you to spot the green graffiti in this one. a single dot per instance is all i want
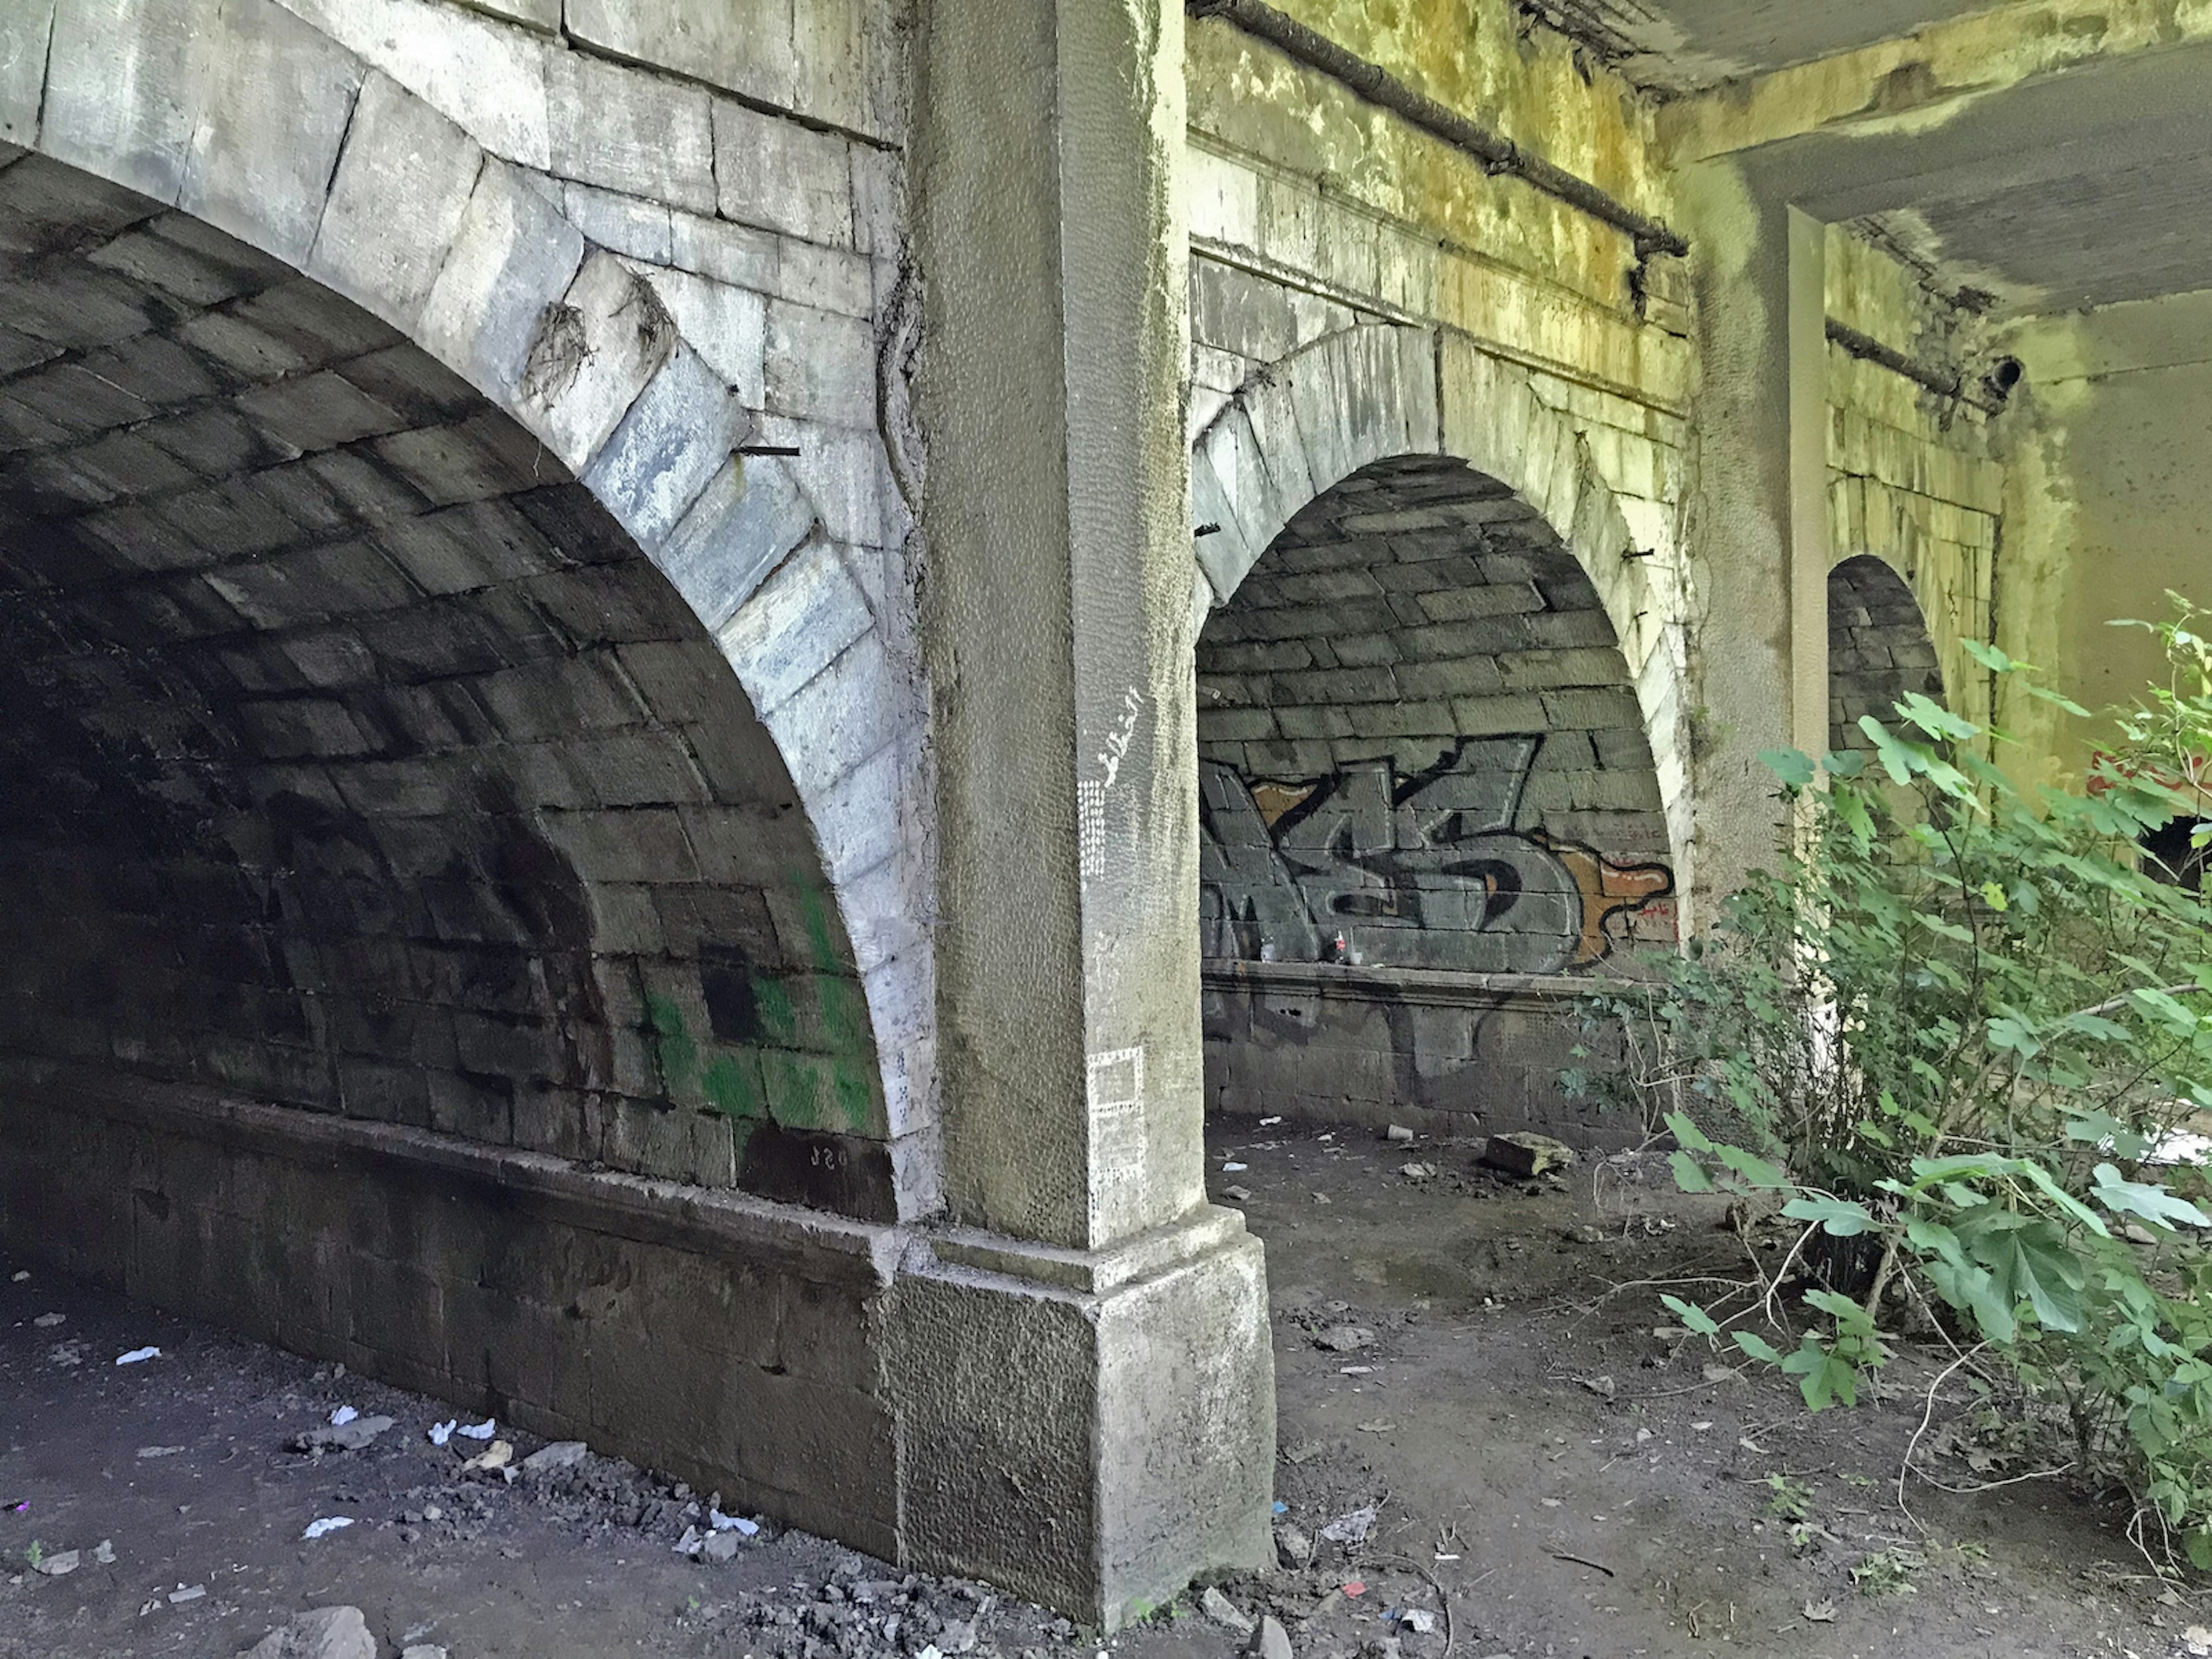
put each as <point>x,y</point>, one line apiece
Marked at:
<point>675,1056</point>
<point>793,1089</point>
<point>732,1082</point>
<point>816,915</point>
<point>779,1020</point>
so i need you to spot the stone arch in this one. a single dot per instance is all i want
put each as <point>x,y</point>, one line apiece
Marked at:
<point>1439,737</point>
<point>1879,648</point>
<point>295,152</point>
<point>1369,394</point>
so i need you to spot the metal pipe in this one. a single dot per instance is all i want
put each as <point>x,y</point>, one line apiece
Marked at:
<point>1944,383</point>
<point>1497,154</point>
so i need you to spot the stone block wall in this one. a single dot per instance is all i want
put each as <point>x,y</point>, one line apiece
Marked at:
<point>1418,744</point>
<point>1913,481</point>
<point>1447,1054</point>
<point>1879,650</point>
<point>695,1331</point>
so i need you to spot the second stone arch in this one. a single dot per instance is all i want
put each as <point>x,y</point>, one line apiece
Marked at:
<point>1442,765</point>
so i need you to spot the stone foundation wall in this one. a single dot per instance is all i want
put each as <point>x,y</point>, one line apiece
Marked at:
<point>721,1338</point>
<point>1446,1053</point>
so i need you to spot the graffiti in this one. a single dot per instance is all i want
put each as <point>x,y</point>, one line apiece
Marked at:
<point>1422,872</point>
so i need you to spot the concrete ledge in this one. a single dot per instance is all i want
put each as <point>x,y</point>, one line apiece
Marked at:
<point>664,1212</point>
<point>1423,986</point>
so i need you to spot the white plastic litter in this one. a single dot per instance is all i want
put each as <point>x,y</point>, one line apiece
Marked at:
<point>47,1321</point>
<point>184,1593</point>
<point>482,1431</point>
<point>441,1432</point>
<point>1233,1168</point>
<point>1351,1528</point>
<point>342,1416</point>
<point>329,1524</point>
<point>1269,1123</point>
<point>21,1275</point>
<point>137,1354</point>
<point>735,1523</point>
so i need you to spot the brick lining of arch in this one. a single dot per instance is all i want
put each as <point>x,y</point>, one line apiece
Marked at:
<point>382,201</point>
<point>1417,735</point>
<point>355,760</point>
<point>1879,649</point>
<point>1375,393</point>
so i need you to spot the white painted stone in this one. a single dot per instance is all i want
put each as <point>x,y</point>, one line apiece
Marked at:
<point>902,1015</point>
<point>783,176</point>
<point>820,366</point>
<point>1269,408</point>
<point>844,474</point>
<point>403,184</point>
<point>846,714</point>
<point>543,14</point>
<point>630,131</point>
<point>857,819</point>
<point>726,326</point>
<point>278,103</point>
<point>883,908</point>
<point>1224,556</point>
<point>624,224</point>
<point>487,78</point>
<point>799,620</point>
<point>1222,197</point>
<point>737,254</point>
<point>832,278</point>
<point>742,46</point>
<point>124,85</point>
<point>514,256</point>
<point>878,199</point>
<point>1248,493</point>
<point>746,521</point>
<point>918,1158</point>
<point>25,28</point>
<point>675,437</point>
<point>590,355</point>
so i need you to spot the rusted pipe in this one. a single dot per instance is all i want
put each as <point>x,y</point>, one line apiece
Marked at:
<point>1944,383</point>
<point>1377,85</point>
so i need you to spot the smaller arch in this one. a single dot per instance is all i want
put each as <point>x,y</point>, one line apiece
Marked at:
<point>1418,747</point>
<point>1301,426</point>
<point>1880,649</point>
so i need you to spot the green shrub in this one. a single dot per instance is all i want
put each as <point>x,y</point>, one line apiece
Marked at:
<point>1946,1036</point>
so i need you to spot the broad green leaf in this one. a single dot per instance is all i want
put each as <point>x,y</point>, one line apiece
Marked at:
<point>1754,1169</point>
<point>1993,895</point>
<point>1756,1346</point>
<point>1974,1291</point>
<point>1687,1175</point>
<point>2152,1203</point>
<point>1837,1216</point>
<point>1792,766</point>
<point>1687,1132</point>
<point>1693,1317</point>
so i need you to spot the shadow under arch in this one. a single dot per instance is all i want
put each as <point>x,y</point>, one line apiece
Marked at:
<point>353,182</point>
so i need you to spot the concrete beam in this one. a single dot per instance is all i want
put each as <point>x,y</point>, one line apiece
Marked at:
<point>1910,83</point>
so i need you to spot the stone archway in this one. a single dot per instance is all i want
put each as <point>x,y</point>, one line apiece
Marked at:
<point>1368,394</point>
<point>1879,649</point>
<point>1433,694</point>
<point>254,123</point>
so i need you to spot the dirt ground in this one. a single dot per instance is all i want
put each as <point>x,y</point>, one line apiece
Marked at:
<point>1549,1476</point>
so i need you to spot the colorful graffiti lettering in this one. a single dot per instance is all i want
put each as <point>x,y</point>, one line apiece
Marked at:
<point>1424,872</point>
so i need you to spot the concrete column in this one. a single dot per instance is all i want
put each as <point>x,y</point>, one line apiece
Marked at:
<point>1086,1384</point>
<point>1809,554</point>
<point>1758,514</point>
